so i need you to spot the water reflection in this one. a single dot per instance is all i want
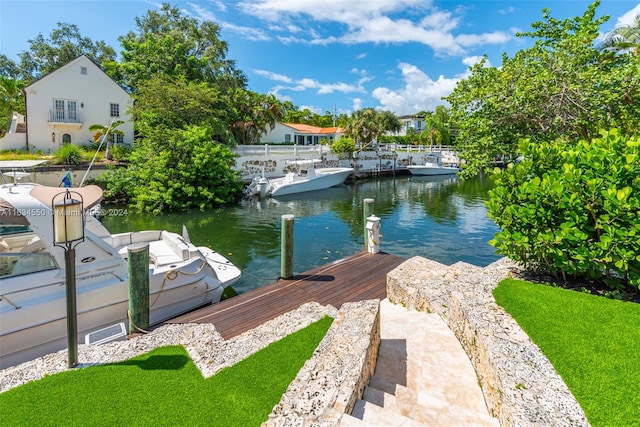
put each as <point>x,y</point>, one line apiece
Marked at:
<point>442,218</point>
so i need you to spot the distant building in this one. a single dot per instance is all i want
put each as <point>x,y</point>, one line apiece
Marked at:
<point>289,133</point>
<point>63,104</point>
<point>417,123</point>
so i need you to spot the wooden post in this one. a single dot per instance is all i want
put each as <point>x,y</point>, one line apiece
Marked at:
<point>368,211</point>
<point>138,254</point>
<point>286,247</point>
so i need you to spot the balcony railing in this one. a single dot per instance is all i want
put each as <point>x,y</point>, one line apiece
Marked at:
<point>65,116</point>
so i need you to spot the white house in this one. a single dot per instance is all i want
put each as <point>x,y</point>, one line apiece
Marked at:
<point>414,122</point>
<point>288,133</point>
<point>63,104</point>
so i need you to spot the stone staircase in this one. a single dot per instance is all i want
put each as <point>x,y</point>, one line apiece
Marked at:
<point>423,377</point>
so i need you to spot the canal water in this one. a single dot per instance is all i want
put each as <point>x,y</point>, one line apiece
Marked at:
<point>441,218</point>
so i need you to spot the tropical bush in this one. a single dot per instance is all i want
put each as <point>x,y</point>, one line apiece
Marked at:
<point>344,147</point>
<point>172,169</point>
<point>571,209</point>
<point>69,154</point>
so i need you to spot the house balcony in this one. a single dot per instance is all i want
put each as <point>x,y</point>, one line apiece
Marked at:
<point>65,117</point>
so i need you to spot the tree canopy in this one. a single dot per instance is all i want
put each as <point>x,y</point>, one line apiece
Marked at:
<point>561,87</point>
<point>167,42</point>
<point>63,45</point>
<point>367,124</point>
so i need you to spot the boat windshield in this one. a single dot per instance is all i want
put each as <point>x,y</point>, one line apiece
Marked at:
<point>22,251</point>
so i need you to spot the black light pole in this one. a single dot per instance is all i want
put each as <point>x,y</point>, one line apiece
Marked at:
<point>68,231</point>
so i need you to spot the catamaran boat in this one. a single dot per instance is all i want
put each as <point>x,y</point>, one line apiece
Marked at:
<point>304,177</point>
<point>433,165</point>
<point>32,274</point>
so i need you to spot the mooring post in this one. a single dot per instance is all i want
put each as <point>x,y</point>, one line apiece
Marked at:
<point>367,211</point>
<point>373,234</point>
<point>286,247</point>
<point>138,286</point>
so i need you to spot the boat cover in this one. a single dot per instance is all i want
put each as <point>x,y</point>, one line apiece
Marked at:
<point>91,194</point>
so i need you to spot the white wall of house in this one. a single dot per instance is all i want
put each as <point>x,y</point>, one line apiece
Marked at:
<point>410,122</point>
<point>63,104</point>
<point>280,134</point>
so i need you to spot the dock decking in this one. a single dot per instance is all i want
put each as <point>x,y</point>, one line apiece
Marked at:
<point>358,277</point>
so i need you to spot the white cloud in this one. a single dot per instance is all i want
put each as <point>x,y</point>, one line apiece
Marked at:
<point>304,84</point>
<point>379,21</point>
<point>250,33</point>
<point>274,76</point>
<point>629,17</point>
<point>470,61</point>
<point>357,104</point>
<point>419,92</point>
<point>509,9</point>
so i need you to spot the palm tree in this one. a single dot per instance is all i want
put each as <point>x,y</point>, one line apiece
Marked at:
<point>366,125</point>
<point>101,130</point>
<point>252,114</point>
<point>624,37</point>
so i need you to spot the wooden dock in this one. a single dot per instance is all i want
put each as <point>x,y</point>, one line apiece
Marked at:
<point>358,277</point>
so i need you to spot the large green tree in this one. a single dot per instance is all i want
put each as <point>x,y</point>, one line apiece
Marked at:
<point>175,102</point>
<point>64,44</point>
<point>561,87</point>
<point>167,42</point>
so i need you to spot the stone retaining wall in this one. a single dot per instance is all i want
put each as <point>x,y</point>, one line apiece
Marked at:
<point>329,383</point>
<point>520,385</point>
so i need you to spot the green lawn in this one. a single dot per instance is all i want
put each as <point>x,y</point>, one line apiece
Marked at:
<point>593,342</point>
<point>164,388</point>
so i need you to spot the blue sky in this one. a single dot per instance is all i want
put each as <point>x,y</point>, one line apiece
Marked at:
<point>398,55</point>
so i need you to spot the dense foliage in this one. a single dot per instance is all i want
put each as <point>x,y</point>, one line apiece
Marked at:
<point>64,44</point>
<point>343,147</point>
<point>174,169</point>
<point>167,42</point>
<point>562,86</point>
<point>572,210</point>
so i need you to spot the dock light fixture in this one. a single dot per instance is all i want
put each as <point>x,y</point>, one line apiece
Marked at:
<point>68,232</point>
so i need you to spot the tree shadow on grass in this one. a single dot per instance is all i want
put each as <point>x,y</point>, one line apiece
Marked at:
<point>158,362</point>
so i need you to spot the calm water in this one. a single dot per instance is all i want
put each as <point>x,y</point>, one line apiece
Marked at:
<point>441,218</point>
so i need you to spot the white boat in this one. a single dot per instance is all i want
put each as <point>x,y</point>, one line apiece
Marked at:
<point>433,165</point>
<point>305,177</point>
<point>32,276</point>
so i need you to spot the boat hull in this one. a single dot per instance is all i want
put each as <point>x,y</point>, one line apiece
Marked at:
<point>33,309</point>
<point>324,178</point>
<point>432,170</point>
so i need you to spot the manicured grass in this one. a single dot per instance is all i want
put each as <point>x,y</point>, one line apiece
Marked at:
<point>164,388</point>
<point>593,342</point>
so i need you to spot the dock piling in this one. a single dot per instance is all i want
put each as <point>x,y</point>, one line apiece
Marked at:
<point>286,247</point>
<point>367,211</point>
<point>138,287</point>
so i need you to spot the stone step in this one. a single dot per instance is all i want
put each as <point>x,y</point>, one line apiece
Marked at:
<point>419,351</point>
<point>375,416</point>
<point>430,411</point>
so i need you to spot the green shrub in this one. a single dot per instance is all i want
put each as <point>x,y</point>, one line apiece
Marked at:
<point>176,169</point>
<point>69,154</point>
<point>571,209</point>
<point>344,147</point>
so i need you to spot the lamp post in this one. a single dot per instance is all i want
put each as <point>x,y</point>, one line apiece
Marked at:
<point>68,232</point>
